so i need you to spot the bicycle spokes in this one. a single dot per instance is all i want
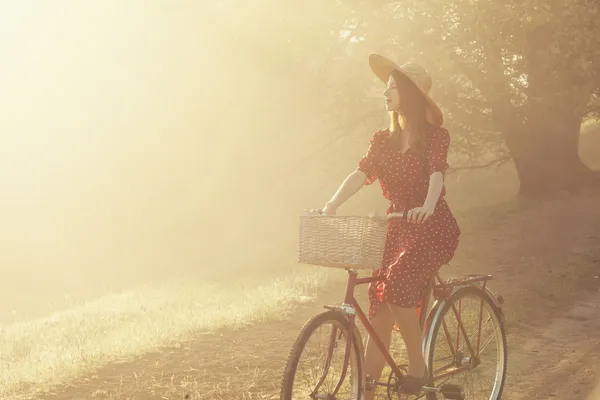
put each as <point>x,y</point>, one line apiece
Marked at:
<point>468,348</point>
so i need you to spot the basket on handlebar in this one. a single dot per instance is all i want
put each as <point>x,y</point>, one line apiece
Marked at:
<point>342,241</point>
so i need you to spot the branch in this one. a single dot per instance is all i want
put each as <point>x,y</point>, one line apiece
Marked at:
<point>499,162</point>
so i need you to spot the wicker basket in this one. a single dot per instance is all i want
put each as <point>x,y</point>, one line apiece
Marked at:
<point>342,241</point>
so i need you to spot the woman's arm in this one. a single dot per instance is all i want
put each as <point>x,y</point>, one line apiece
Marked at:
<point>421,214</point>
<point>365,174</point>
<point>437,165</point>
<point>436,184</point>
<point>352,184</point>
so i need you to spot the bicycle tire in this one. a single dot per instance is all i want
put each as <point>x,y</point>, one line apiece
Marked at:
<point>307,330</point>
<point>438,317</point>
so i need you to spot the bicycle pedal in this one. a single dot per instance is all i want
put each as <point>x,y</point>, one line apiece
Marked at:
<point>452,392</point>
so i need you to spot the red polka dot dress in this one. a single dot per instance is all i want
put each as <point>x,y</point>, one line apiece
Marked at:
<point>413,252</point>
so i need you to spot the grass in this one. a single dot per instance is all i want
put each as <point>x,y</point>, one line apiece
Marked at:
<point>51,351</point>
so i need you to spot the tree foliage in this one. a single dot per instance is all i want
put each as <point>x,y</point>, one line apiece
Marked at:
<point>513,78</point>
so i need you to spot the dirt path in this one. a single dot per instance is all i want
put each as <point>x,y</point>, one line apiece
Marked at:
<point>567,351</point>
<point>545,259</point>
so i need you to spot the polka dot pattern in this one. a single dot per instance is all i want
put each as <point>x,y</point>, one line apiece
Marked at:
<point>413,252</point>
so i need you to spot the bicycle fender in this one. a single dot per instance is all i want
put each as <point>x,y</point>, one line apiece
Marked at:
<point>437,306</point>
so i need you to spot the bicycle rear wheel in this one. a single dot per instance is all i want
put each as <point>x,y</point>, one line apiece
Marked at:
<point>446,349</point>
<point>315,364</point>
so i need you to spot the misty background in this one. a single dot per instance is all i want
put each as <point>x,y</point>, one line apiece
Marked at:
<point>146,141</point>
<point>141,141</point>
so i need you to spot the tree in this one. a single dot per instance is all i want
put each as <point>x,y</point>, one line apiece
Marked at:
<point>523,75</point>
<point>515,79</point>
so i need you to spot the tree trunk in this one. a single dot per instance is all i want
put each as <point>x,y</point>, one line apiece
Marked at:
<point>545,146</point>
<point>547,161</point>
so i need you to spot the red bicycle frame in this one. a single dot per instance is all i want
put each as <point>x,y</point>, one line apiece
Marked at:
<point>352,309</point>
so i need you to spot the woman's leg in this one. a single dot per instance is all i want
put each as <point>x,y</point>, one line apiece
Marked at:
<point>408,323</point>
<point>382,322</point>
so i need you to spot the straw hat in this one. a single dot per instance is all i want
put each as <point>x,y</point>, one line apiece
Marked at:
<point>383,67</point>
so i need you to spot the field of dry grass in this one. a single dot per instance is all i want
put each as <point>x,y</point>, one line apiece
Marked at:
<point>50,351</point>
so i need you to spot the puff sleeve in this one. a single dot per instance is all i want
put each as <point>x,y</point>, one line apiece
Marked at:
<point>369,163</point>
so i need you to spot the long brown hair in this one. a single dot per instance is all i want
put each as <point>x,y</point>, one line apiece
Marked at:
<point>412,110</point>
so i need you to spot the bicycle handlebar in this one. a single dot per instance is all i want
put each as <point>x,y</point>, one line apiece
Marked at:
<point>369,215</point>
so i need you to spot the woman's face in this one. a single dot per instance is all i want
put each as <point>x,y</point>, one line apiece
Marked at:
<point>392,97</point>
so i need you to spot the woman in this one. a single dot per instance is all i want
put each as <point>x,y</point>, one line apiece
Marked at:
<point>410,160</point>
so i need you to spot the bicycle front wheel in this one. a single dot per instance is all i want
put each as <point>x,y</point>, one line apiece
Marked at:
<point>466,345</point>
<point>315,367</point>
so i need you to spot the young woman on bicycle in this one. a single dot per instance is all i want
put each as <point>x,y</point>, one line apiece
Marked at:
<point>410,160</point>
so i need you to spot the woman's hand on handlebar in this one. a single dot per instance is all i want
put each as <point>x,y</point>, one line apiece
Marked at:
<point>329,209</point>
<point>420,214</point>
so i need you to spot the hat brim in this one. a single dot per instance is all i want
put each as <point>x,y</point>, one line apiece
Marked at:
<point>383,67</point>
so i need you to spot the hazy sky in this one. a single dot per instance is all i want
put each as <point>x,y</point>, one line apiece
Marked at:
<point>137,134</point>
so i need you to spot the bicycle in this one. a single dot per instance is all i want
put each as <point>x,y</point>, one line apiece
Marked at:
<point>356,243</point>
